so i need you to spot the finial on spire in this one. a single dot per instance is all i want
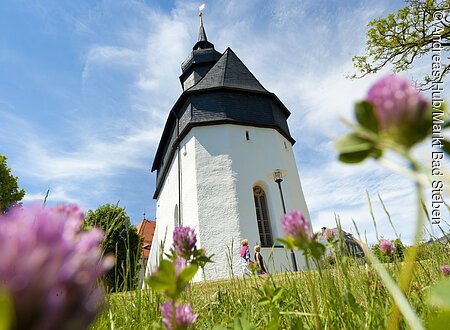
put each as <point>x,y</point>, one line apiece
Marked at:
<point>202,33</point>
<point>200,8</point>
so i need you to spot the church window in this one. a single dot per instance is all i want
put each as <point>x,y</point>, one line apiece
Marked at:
<point>262,217</point>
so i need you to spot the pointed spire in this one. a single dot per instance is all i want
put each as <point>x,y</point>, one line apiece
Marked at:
<point>202,42</point>
<point>202,33</point>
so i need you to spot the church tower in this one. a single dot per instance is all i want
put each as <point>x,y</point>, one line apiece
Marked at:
<point>223,139</point>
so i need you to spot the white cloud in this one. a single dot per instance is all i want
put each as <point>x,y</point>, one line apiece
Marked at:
<point>132,54</point>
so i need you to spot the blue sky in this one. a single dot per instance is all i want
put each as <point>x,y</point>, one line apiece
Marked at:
<point>86,86</point>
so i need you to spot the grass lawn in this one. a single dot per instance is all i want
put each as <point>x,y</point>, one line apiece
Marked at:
<point>349,296</point>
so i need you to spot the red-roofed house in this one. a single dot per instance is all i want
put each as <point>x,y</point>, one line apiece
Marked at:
<point>146,229</point>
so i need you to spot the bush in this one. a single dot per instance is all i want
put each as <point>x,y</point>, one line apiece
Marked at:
<point>122,240</point>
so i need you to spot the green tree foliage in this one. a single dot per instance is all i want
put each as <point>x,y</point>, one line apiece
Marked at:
<point>402,37</point>
<point>397,256</point>
<point>10,194</point>
<point>122,240</point>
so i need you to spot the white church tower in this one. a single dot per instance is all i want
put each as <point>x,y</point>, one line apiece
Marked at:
<point>223,139</point>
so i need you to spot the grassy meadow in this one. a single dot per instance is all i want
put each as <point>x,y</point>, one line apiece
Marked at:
<point>349,296</point>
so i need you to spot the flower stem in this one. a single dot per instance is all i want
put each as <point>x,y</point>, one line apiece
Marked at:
<point>408,266</point>
<point>314,294</point>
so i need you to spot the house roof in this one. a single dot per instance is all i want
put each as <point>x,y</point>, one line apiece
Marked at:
<point>146,229</point>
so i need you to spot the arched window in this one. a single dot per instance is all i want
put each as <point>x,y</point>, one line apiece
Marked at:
<point>262,217</point>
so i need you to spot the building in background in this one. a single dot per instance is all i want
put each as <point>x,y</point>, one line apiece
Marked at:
<point>146,230</point>
<point>222,141</point>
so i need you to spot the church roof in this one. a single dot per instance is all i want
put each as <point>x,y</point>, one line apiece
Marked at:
<point>226,93</point>
<point>229,71</point>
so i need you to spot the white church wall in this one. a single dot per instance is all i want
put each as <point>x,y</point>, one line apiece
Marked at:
<point>254,160</point>
<point>230,166</point>
<point>166,215</point>
<point>218,212</point>
<point>219,169</point>
<point>168,201</point>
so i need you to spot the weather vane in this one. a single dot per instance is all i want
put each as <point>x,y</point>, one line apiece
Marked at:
<point>200,8</point>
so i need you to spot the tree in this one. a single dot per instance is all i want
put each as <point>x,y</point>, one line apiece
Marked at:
<point>401,38</point>
<point>10,194</point>
<point>122,240</point>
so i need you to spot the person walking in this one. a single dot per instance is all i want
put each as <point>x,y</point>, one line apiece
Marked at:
<point>245,258</point>
<point>259,260</point>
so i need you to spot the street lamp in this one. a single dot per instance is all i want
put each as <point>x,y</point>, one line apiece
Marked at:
<point>277,176</point>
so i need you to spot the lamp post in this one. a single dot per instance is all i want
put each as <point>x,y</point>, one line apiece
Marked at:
<point>278,178</point>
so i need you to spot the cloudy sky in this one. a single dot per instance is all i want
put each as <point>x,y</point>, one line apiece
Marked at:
<point>86,86</point>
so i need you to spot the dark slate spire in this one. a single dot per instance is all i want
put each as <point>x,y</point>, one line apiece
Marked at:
<point>202,33</point>
<point>229,71</point>
<point>199,61</point>
<point>202,42</point>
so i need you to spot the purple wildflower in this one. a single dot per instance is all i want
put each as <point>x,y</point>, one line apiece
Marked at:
<point>398,105</point>
<point>386,246</point>
<point>183,317</point>
<point>49,267</point>
<point>445,270</point>
<point>180,264</point>
<point>184,239</point>
<point>296,226</point>
<point>167,314</point>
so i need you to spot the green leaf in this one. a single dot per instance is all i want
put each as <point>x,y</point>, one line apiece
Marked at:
<point>186,275</point>
<point>264,301</point>
<point>353,149</point>
<point>242,324</point>
<point>203,260</point>
<point>446,146</point>
<point>274,324</point>
<point>376,153</point>
<point>164,279</point>
<point>277,294</point>
<point>440,295</point>
<point>288,243</point>
<point>268,290</point>
<point>439,321</point>
<point>446,124</point>
<point>366,116</point>
<point>316,249</point>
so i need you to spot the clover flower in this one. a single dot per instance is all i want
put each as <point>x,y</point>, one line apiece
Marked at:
<point>386,246</point>
<point>184,239</point>
<point>445,270</point>
<point>180,264</point>
<point>395,101</point>
<point>296,226</point>
<point>49,267</point>
<point>400,108</point>
<point>183,317</point>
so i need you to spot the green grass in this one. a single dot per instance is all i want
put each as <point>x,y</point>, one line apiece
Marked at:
<point>350,296</point>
